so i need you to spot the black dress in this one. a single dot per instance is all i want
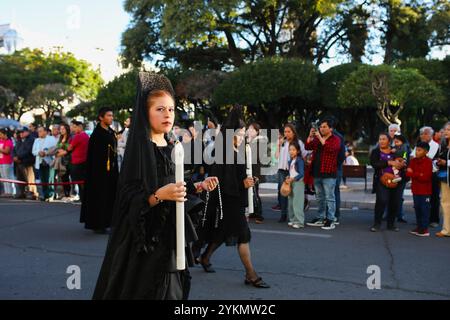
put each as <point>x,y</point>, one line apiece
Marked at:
<point>228,225</point>
<point>140,261</point>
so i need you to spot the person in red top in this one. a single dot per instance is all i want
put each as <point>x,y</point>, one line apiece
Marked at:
<point>325,146</point>
<point>78,147</point>
<point>420,171</point>
<point>6,161</point>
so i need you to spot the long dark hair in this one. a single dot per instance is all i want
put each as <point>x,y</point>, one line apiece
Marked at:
<point>292,127</point>
<point>67,127</point>
<point>444,139</point>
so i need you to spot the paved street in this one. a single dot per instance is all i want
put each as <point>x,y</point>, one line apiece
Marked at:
<point>38,241</point>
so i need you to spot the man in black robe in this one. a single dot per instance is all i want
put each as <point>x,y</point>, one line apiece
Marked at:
<point>101,175</point>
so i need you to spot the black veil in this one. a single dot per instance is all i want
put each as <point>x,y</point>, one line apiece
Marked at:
<point>135,267</point>
<point>139,160</point>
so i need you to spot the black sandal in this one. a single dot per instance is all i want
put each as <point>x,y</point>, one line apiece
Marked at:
<point>258,283</point>
<point>207,267</point>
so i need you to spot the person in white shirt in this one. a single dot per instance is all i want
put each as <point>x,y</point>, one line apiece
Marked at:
<point>290,134</point>
<point>122,142</point>
<point>426,135</point>
<point>350,159</point>
<point>41,148</point>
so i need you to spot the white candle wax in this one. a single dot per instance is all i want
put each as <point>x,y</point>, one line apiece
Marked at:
<point>179,177</point>
<point>248,150</point>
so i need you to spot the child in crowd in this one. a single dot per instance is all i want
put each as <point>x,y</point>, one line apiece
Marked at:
<point>420,171</point>
<point>400,153</point>
<point>295,178</point>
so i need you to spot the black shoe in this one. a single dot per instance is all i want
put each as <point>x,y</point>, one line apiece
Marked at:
<point>207,267</point>
<point>316,223</point>
<point>328,225</point>
<point>19,196</point>
<point>393,228</point>
<point>283,218</point>
<point>258,283</point>
<point>375,228</point>
<point>401,220</point>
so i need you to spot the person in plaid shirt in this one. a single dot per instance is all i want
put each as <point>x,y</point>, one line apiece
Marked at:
<point>325,147</point>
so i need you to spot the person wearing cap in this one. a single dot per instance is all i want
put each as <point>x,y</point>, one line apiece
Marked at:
<point>24,160</point>
<point>420,170</point>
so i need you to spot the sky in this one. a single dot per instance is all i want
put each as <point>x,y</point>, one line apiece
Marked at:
<point>91,29</point>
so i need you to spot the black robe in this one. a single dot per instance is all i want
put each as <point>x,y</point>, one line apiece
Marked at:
<point>101,180</point>
<point>140,257</point>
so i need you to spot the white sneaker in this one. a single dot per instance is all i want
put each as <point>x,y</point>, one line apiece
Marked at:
<point>297,226</point>
<point>290,224</point>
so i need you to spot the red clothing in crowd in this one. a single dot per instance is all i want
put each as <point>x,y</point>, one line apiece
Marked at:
<point>421,176</point>
<point>79,146</point>
<point>328,155</point>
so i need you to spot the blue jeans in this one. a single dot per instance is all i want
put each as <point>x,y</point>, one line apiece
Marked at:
<point>283,201</point>
<point>422,205</point>
<point>326,199</point>
<point>47,175</point>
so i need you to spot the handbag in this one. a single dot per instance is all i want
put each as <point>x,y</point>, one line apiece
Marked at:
<point>286,189</point>
<point>387,180</point>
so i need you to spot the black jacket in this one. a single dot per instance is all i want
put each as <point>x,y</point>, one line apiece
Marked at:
<point>23,151</point>
<point>378,165</point>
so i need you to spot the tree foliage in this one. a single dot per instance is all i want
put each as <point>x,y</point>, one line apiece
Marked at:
<point>389,90</point>
<point>25,70</point>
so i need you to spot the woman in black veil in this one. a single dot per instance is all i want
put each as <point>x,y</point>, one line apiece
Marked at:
<point>140,260</point>
<point>224,219</point>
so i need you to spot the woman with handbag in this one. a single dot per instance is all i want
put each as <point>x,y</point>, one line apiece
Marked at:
<point>388,192</point>
<point>61,162</point>
<point>295,179</point>
<point>443,174</point>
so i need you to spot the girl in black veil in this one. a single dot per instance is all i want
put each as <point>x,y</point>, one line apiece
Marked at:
<point>140,260</point>
<point>224,218</point>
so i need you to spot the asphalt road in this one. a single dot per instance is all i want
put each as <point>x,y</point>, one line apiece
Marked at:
<point>39,241</point>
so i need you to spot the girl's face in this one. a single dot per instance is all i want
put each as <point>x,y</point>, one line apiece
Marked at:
<point>252,133</point>
<point>383,141</point>
<point>447,132</point>
<point>161,113</point>
<point>293,151</point>
<point>239,137</point>
<point>398,143</point>
<point>288,133</point>
<point>63,130</point>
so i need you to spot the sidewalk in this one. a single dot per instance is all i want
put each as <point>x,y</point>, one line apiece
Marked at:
<point>354,197</point>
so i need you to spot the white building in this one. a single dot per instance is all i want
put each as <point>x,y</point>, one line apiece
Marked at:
<point>9,39</point>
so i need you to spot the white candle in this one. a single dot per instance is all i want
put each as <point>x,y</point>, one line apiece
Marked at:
<point>179,177</point>
<point>248,150</point>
